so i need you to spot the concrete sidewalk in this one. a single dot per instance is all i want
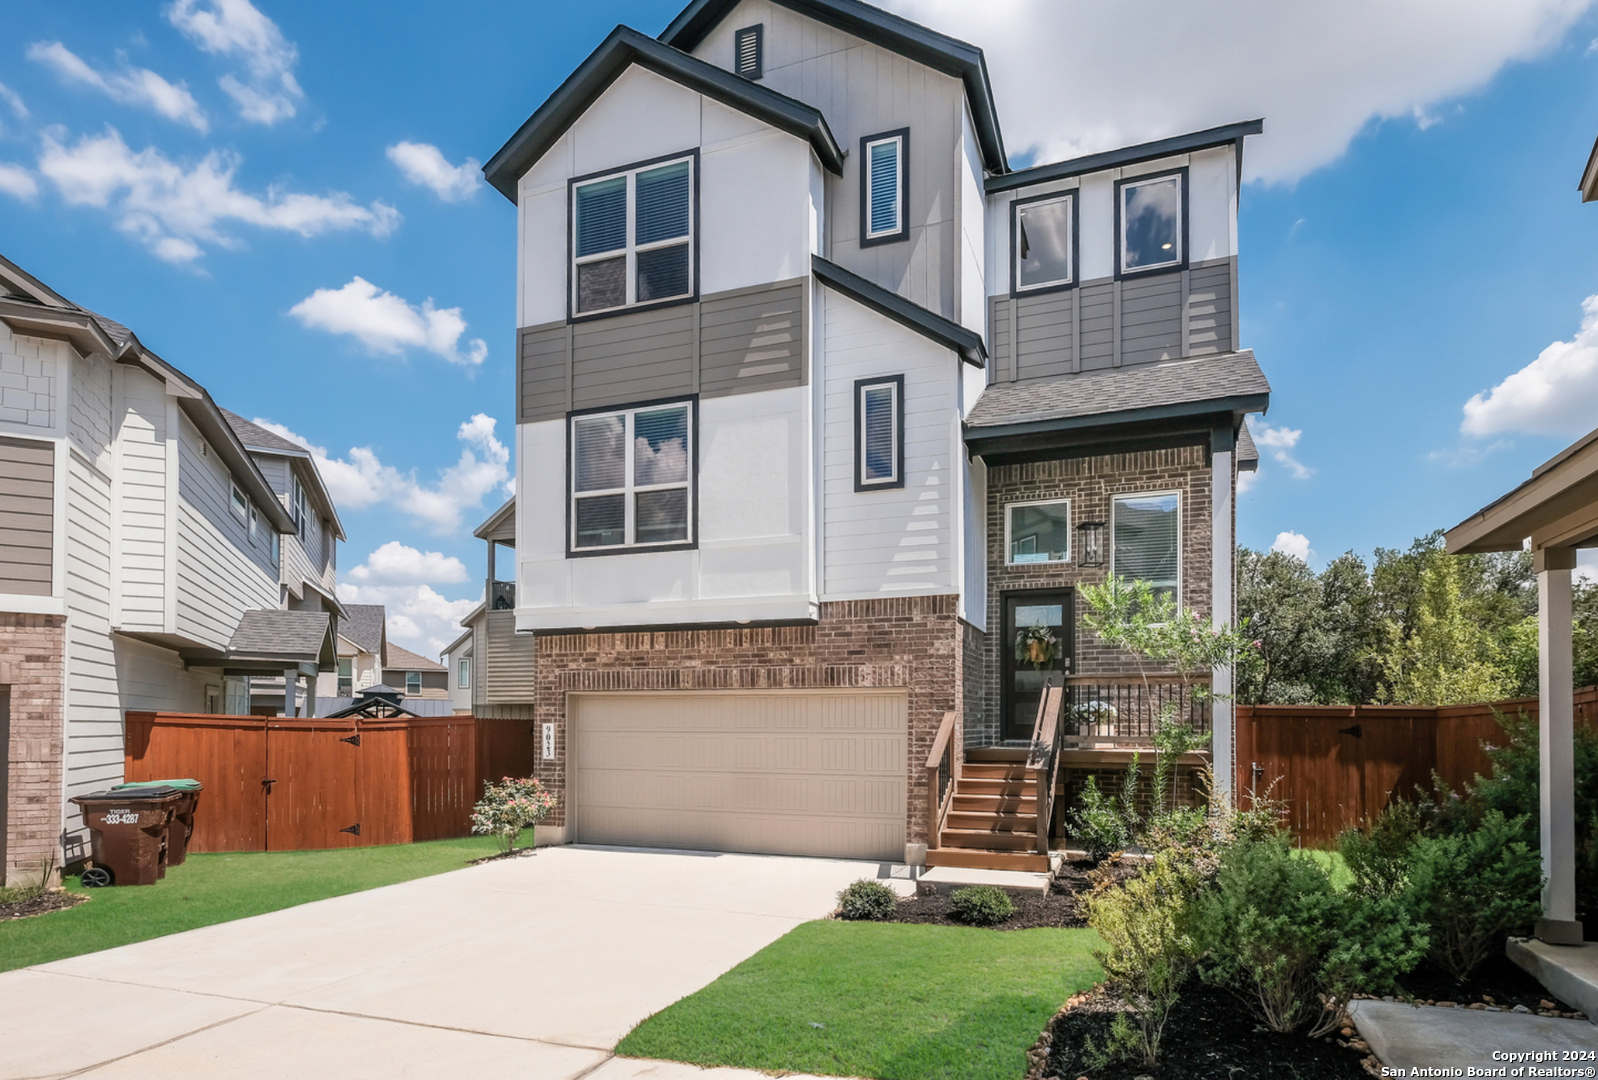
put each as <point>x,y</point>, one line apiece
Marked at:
<point>1414,1037</point>
<point>536,965</point>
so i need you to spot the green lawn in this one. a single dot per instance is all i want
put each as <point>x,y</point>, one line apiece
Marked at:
<point>885,1000</point>
<point>1333,863</point>
<point>217,888</point>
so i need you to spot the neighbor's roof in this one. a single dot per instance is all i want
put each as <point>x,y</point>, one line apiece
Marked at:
<point>1248,455</point>
<point>624,48</point>
<point>495,525</point>
<point>363,625</point>
<point>1589,177</point>
<point>458,642</point>
<point>404,660</point>
<point>258,439</point>
<point>938,51</point>
<point>276,634</point>
<point>946,332</point>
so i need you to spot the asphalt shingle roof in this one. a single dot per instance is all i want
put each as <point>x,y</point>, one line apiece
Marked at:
<point>271,632</point>
<point>364,625</point>
<point>404,660</point>
<point>1247,452</point>
<point>257,437</point>
<point>1114,390</point>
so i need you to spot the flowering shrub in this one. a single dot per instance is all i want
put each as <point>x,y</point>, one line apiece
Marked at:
<point>508,807</point>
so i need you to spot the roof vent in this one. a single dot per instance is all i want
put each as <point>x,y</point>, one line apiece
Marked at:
<point>750,57</point>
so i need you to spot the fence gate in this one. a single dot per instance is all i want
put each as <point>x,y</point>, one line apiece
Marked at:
<point>312,782</point>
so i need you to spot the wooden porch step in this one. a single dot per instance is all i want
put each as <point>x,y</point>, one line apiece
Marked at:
<point>984,786</point>
<point>989,754</point>
<point>972,858</point>
<point>1014,823</point>
<point>988,840</point>
<point>977,770</point>
<point>995,804</point>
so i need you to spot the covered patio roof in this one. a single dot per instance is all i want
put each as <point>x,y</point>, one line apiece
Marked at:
<point>1556,508</point>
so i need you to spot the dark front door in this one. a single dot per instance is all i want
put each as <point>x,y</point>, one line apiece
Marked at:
<point>1039,639</point>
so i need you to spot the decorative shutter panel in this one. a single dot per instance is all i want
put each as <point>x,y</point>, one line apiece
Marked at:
<point>749,60</point>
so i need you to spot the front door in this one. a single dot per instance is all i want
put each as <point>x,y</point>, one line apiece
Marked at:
<point>1039,639</point>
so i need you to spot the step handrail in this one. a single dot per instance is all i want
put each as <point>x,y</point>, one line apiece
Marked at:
<point>943,764</point>
<point>1043,760</point>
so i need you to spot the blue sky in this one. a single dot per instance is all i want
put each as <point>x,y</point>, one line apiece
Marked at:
<point>281,200</point>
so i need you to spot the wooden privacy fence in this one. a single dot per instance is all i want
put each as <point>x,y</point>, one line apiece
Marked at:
<point>284,784</point>
<point>1335,765</point>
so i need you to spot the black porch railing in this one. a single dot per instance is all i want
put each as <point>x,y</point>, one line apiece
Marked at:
<point>1123,709</point>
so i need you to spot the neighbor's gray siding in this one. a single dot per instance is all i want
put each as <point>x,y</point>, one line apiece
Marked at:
<point>27,520</point>
<point>503,660</point>
<point>728,343</point>
<point>1106,323</point>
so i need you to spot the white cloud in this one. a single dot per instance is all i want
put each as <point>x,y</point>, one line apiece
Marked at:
<point>139,87</point>
<point>362,480</point>
<point>15,180</point>
<point>386,323</point>
<point>1294,544</point>
<point>14,100</point>
<point>1073,78</point>
<point>418,617</point>
<point>425,164</point>
<point>174,209</point>
<point>1280,442</point>
<point>238,30</point>
<point>1586,565</point>
<point>1557,393</point>
<point>1247,480</point>
<point>396,564</point>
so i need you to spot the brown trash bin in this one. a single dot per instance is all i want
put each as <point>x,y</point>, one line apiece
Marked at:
<point>182,826</point>
<point>129,833</point>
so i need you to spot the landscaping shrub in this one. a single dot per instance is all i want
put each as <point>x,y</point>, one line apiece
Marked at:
<point>867,899</point>
<point>1472,889</point>
<point>1378,853</point>
<point>508,807</point>
<point>1275,928</point>
<point>1098,824</point>
<point>982,905</point>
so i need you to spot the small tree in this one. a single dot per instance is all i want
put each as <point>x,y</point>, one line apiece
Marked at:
<point>508,807</point>
<point>1448,658</point>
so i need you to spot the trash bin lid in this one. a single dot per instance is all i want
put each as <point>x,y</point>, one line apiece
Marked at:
<point>153,791</point>
<point>176,785</point>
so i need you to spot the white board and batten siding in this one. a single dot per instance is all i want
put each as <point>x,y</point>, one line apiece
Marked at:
<point>142,426</point>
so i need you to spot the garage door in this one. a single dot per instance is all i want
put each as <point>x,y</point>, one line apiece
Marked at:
<point>785,772</point>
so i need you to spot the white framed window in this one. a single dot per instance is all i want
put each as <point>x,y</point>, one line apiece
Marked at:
<point>633,236</point>
<point>255,522</point>
<point>1151,223</point>
<point>879,433</point>
<point>346,676</point>
<point>1146,540</point>
<point>884,187</point>
<point>274,544</point>
<point>240,503</point>
<point>464,678</point>
<point>631,480</point>
<point>1037,532</point>
<point>413,683</point>
<point>297,505</point>
<point>1045,242</point>
<point>236,695</point>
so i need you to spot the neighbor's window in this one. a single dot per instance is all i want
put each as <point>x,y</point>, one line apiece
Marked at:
<point>630,478</point>
<point>346,676</point>
<point>413,683</point>
<point>464,680</point>
<point>884,187</point>
<point>750,49</point>
<point>297,505</point>
<point>1044,241</point>
<point>255,521</point>
<point>1152,221</point>
<point>1038,532</point>
<point>879,433</point>
<point>241,503</point>
<point>632,237</point>
<point>1147,540</point>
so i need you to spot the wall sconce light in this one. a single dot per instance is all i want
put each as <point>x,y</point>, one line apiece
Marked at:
<point>1090,543</point>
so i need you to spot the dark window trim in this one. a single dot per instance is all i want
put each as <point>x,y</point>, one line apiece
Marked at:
<point>898,450</point>
<point>692,543</point>
<point>1172,268</point>
<point>1074,194</point>
<point>759,30</point>
<point>903,134</point>
<point>572,317</point>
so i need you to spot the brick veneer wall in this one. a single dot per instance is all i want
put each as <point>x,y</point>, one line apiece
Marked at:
<point>1090,483</point>
<point>31,656</point>
<point>1111,779</point>
<point>915,642</point>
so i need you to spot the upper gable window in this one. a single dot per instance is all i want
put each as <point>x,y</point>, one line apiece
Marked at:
<point>241,503</point>
<point>1045,242</point>
<point>632,237</point>
<point>1151,217</point>
<point>750,49</point>
<point>879,433</point>
<point>632,478</point>
<point>884,187</point>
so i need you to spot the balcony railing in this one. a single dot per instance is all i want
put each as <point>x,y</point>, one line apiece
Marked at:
<point>1112,711</point>
<point>502,596</point>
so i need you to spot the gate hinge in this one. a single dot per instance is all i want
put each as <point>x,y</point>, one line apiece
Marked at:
<point>353,830</point>
<point>353,740</point>
<point>1354,731</point>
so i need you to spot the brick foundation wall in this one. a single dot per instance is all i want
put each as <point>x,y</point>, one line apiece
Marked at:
<point>916,642</point>
<point>1111,779</point>
<point>1090,483</point>
<point>31,657</point>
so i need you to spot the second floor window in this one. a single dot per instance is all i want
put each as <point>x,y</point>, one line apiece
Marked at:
<point>1045,242</point>
<point>1151,213</point>
<point>632,237</point>
<point>884,187</point>
<point>631,478</point>
<point>297,506</point>
<point>1147,541</point>
<point>465,678</point>
<point>879,433</point>
<point>346,677</point>
<point>413,683</point>
<point>240,503</point>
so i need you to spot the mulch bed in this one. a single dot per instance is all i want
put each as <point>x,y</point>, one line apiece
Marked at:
<point>1211,1035</point>
<point>1057,908</point>
<point>1498,984</point>
<point>42,904</point>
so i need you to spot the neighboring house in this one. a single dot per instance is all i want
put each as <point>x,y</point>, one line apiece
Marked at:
<point>492,665</point>
<point>457,658</point>
<point>362,642</point>
<point>824,411</point>
<point>145,554</point>
<point>415,676</point>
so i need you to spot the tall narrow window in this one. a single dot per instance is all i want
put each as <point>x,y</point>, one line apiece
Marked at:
<point>631,478</point>
<point>1045,242</point>
<point>884,187</point>
<point>255,521</point>
<point>241,503</point>
<point>1151,217</point>
<point>464,679</point>
<point>346,676</point>
<point>1147,540</point>
<point>632,237</point>
<point>879,433</point>
<point>750,49</point>
<point>297,506</point>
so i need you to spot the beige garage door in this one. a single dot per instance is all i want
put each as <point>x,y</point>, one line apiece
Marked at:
<point>781,772</point>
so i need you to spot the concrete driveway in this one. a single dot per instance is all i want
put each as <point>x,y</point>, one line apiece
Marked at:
<point>527,967</point>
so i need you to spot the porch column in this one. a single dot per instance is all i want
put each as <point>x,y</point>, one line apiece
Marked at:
<point>310,695</point>
<point>1556,743</point>
<point>291,691</point>
<point>1223,553</point>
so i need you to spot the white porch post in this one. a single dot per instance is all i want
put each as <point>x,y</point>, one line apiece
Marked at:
<point>291,691</point>
<point>1556,746</point>
<point>1223,444</point>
